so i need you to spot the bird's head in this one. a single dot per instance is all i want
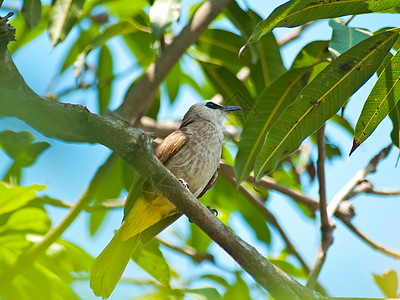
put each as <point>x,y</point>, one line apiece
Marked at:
<point>208,111</point>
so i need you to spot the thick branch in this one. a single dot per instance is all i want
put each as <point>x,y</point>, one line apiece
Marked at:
<point>139,99</point>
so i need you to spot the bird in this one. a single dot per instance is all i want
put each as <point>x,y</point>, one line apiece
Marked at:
<point>192,154</point>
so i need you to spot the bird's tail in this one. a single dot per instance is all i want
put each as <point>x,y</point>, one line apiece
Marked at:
<point>108,267</point>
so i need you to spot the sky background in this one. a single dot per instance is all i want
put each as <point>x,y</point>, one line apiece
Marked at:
<point>350,263</point>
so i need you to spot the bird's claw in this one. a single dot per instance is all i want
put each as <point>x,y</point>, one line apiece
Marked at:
<point>184,183</point>
<point>213,210</point>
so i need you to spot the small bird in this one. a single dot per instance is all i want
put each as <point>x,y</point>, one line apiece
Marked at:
<point>191,154</point>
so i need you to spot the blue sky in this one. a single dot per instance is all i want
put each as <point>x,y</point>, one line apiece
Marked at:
<point>350,263</point>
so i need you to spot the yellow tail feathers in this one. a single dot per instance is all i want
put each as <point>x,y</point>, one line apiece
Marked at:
<point>108,267</point>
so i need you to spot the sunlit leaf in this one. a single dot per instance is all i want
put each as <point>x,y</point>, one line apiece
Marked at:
<point>298,12</point>
<point>140,45</point>
<point>85,38</point>
<point>12,198</point>
<point>322,98</point>
<point>29,219</point>
<point>110,189</point>
<point>216,278</point>
<point>382,99</point>
<point>201,293</point>
<point>162,14</point>
<point>64,14</point>
<point>289,268</point>
<point>173,82</point>
<point>31,10</point>
<point>238,291</point>
<point>229,86</point>
<point>150,258</point>
<point>388,283</point>
<point>311,54</point>
<point>104,77</point>
<point>269,106</point>
<point>395,117</point>
<point>345,37</point>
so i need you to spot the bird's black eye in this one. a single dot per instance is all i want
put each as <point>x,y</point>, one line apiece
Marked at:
<point>213,105</point>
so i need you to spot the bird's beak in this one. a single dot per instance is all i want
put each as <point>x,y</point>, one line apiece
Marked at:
<point>229,109</point>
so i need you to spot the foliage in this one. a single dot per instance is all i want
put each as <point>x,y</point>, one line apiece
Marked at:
<point>282,108</point>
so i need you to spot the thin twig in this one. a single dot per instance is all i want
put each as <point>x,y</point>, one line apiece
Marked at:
<point>111,204</point>
<point>294,34</point>
<point>370,242</point>
<point>326,226</point>
<point>188,251</point>
<point>344,193</point>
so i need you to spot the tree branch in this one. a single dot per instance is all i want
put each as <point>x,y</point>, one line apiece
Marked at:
<point>344,193</point>
<point>140,97</point>
<point>326,226</point>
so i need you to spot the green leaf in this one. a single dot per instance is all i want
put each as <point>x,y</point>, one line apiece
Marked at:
<point>395,117</point>
<point>269,65</point>
<point>173,82</point>
<point>344,123</point>
<point>140,44</point>
<point>383,98</point>
<point>388,283</point>
<point>322,98</point>
<point>29,219</point>
<point>150,258</point>
<point>198,239</point>
<point>20,146</point>
<point>311,54</point>
<point>220,47</point>
<point>238,291</point>
<point>289,268</point>
<point>162,14</point>
<point>64,14</point>
<point>298,12</point>
<point>104,77</point>
<point>12,198</point>
<point>269,106</point>
<point>229,86</point>
<point>201,293</point>
<point>23,35</point>
<point>85,38</point>
<point>345,37</point>
<point>110,189</point>
<point>217,279</point>
<point>31,10</point>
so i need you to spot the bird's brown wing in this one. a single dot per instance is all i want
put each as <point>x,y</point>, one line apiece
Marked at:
<point>170,145</point>
<point>210,184</point>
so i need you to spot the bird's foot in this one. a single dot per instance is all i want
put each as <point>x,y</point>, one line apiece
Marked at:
<point>184,183</point>
<point>213,210</point>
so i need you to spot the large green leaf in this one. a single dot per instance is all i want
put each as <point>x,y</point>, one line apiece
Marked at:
<point>32,10</point>
<point>140,45</point>
<point>220,47</point>
<point>109,190</point>
<point>173,82</point>
<point>104,77</point>
<point>64,14</point>
<point>269,106</point>
<point>150,258</point>
<point>298,12</point>
<point>201,293</point>
<point>345,37</point>
<point>388,283</point>
<point>238,291</point>
<point>229,86</point>
<point>395,117</point>
<point>28,219</point>
<point>85,38</point>
<point>23,35</point>
<point>162,14</point>
<point>266,62</point>
<point>383,98</point>
<point>322,98</point>
<point>12,198</point>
